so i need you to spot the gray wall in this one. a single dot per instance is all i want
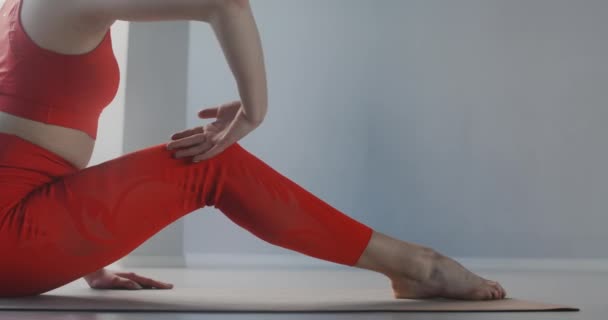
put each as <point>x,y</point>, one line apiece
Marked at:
<point>155,103</point>
<point>474,127</point>
<point>496,146</point>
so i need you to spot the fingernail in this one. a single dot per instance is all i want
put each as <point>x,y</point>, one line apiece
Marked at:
<point>136,286</point>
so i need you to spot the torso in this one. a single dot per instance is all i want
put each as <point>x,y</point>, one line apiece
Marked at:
<point>73,145</point>
<point>47,25</point>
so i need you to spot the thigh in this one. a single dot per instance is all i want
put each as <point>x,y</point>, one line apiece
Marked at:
<point>84,220</point>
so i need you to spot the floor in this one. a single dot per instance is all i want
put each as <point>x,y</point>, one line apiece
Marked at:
<point>584,290</point>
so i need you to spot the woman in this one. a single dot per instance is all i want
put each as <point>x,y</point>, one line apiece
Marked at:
<point>58,72</point>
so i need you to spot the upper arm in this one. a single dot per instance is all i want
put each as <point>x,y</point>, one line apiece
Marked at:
<point>109,11</point>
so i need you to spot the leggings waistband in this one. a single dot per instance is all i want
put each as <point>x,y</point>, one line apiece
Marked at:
<point>17,152</point>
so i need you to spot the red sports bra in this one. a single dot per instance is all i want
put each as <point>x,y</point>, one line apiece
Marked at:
<point>69,90</point>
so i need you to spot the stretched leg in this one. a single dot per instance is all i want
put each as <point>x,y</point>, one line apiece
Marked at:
<point>281,212</point>
<point>89,218</point>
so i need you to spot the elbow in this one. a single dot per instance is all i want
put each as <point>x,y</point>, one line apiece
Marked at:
<point>237,3</point>
<point>230,5</point>
<point>258,107</point>
<point>257,120</point>
<point>256,117</point>
<point>226,9</point>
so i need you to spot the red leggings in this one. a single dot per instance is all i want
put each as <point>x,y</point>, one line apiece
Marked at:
<point>59,223</point>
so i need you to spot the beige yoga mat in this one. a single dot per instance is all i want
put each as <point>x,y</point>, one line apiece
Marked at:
<point>268,300</point>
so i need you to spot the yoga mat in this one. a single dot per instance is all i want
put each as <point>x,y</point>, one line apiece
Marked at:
<point>261,299</point>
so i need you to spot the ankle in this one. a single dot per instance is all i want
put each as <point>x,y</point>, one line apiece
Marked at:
<point>381,254</point>
<point>395,258</point>
<point>421,264</point>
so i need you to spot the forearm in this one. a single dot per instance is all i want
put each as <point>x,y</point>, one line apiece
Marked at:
<point>237,33</point>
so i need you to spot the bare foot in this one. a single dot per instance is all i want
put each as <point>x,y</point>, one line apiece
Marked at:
<point>445,278</point>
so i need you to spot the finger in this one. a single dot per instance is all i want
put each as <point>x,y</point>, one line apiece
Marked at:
<point>208,145</point>
<point>215,150</point>
<point>194,151</point>
<point>119,282</point>
<point>147,282</point>
<point>187,142</point>
<point>180,134</point>
<point>187,132</point>
<point>208,113</point>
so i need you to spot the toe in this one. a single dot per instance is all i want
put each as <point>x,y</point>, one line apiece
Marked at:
<point>498,293</point>
<point>502,292</point>
<point>487,293</point>
<point>491,293</point>
<point>480,293</point>
<point>497,289</point>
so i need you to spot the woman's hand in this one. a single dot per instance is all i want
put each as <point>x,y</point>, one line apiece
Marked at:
<point>207,141</point>
<point>105,279</point>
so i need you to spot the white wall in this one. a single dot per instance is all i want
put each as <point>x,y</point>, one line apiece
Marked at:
<point>109,142</point>
<point>476,127</point>
<point>146,111</point>
<point>155,108</point>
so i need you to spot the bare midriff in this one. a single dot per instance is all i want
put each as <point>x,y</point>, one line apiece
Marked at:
<point>73,145</point>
